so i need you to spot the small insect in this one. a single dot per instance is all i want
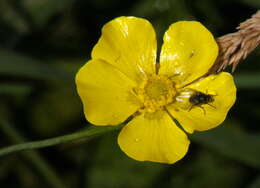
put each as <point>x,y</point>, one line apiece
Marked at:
<point>199,98</point>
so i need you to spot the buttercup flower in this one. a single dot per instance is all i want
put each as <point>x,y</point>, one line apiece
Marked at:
<point>123,79</point>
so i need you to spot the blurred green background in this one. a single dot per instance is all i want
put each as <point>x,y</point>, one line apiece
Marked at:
<point>42,45</point>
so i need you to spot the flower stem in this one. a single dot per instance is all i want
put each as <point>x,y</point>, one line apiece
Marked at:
<point>57,140</point>
<point>41,166</point>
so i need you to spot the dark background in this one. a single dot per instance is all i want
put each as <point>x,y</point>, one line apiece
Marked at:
<point>42,45</point>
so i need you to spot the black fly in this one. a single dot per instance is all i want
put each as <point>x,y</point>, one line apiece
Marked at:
<point>199,98</point>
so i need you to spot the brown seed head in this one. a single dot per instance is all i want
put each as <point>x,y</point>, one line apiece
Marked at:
<point>235,47</point>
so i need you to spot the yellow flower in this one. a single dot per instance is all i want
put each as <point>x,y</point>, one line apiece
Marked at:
<point>122,79</point>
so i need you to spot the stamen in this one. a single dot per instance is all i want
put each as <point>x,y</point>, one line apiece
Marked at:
<point>155,92</point>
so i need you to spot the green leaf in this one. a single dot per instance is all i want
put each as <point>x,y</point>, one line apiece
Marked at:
<point>16,65</point>
<point>11,17</point>
<point>115,169</point>
<point>255,183</point>
<point>14,89</point>
<point>39,163</point>
<point>254,3</point>
<point>231,142</point>
<point>55,111</point>
<point>248,80</point>
<point>41,11</point>
<point>203,168</point>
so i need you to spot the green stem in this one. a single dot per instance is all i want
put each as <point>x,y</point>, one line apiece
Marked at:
<point>57,140</point>
<point>39,163</point>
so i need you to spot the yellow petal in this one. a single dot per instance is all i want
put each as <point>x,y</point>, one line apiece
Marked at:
<point>129,44</point>
<point>106,93</point>
<point>153,137</point>
<point>223,90</point>
<point>188,51</point>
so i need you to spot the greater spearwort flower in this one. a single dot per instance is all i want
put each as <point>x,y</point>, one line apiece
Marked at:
<point>123,79</point>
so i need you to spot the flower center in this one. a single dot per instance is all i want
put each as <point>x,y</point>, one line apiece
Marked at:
<point>155,92</point>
